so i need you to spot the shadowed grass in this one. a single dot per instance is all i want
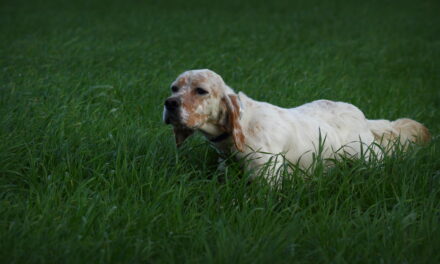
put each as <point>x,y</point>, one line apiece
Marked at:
<point>88,172</point>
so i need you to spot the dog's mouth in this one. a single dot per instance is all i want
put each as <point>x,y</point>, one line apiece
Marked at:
<point>174,119</point>
<point>168,120</point>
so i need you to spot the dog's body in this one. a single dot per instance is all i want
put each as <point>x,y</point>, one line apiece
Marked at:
<point>257,130</point>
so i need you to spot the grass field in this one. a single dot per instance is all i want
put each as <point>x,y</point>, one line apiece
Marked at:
<point>90,174</point>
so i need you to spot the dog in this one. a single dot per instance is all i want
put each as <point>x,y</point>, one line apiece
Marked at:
<point>258,131</point>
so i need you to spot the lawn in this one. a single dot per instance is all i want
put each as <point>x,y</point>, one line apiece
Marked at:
<point>90,174</point>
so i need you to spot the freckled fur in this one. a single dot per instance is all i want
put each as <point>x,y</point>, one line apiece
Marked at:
<point>259,130</point>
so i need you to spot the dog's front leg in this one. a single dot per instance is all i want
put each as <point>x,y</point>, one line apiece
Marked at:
<point>268,166</point>
<point>221,165</point>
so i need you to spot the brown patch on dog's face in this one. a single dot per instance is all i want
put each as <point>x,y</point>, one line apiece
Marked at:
<point>190,104</point>
<point>198,95</point>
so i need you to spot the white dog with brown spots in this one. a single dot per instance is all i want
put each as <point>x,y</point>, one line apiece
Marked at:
<point>256,131</point>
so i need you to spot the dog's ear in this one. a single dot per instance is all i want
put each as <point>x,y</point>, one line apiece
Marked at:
<point>181,134</point>
<point>232,121</point>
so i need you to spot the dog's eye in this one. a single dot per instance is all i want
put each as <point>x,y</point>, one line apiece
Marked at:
<point>201,91</point>
<point>174,89</point>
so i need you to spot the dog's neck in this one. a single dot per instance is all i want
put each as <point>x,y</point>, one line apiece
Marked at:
<point>217,136</point>
<point>220,138</point>
<point>211,130</point>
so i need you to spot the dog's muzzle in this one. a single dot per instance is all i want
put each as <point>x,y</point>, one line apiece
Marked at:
<point>171,114</point>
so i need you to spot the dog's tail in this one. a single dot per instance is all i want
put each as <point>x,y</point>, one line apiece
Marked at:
<point>406,130</point>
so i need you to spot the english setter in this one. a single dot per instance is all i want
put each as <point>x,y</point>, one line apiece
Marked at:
<point>201,101</point>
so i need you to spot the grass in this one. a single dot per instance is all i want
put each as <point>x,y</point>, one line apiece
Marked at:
<point>89,174</point>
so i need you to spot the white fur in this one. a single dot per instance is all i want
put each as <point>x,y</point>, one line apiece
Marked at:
<point>341,129</point>
<point>297,133</point>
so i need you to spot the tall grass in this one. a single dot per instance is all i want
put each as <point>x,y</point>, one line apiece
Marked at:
<point>88,172</point>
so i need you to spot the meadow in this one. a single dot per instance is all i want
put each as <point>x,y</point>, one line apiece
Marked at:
<point>90,174</point>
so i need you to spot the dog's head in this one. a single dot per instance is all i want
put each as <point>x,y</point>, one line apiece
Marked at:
<point>202,101</point>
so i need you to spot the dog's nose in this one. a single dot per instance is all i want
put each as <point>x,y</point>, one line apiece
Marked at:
<point>172,104</point>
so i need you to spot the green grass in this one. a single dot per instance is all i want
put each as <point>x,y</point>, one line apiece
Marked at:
<point>89,174</point>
